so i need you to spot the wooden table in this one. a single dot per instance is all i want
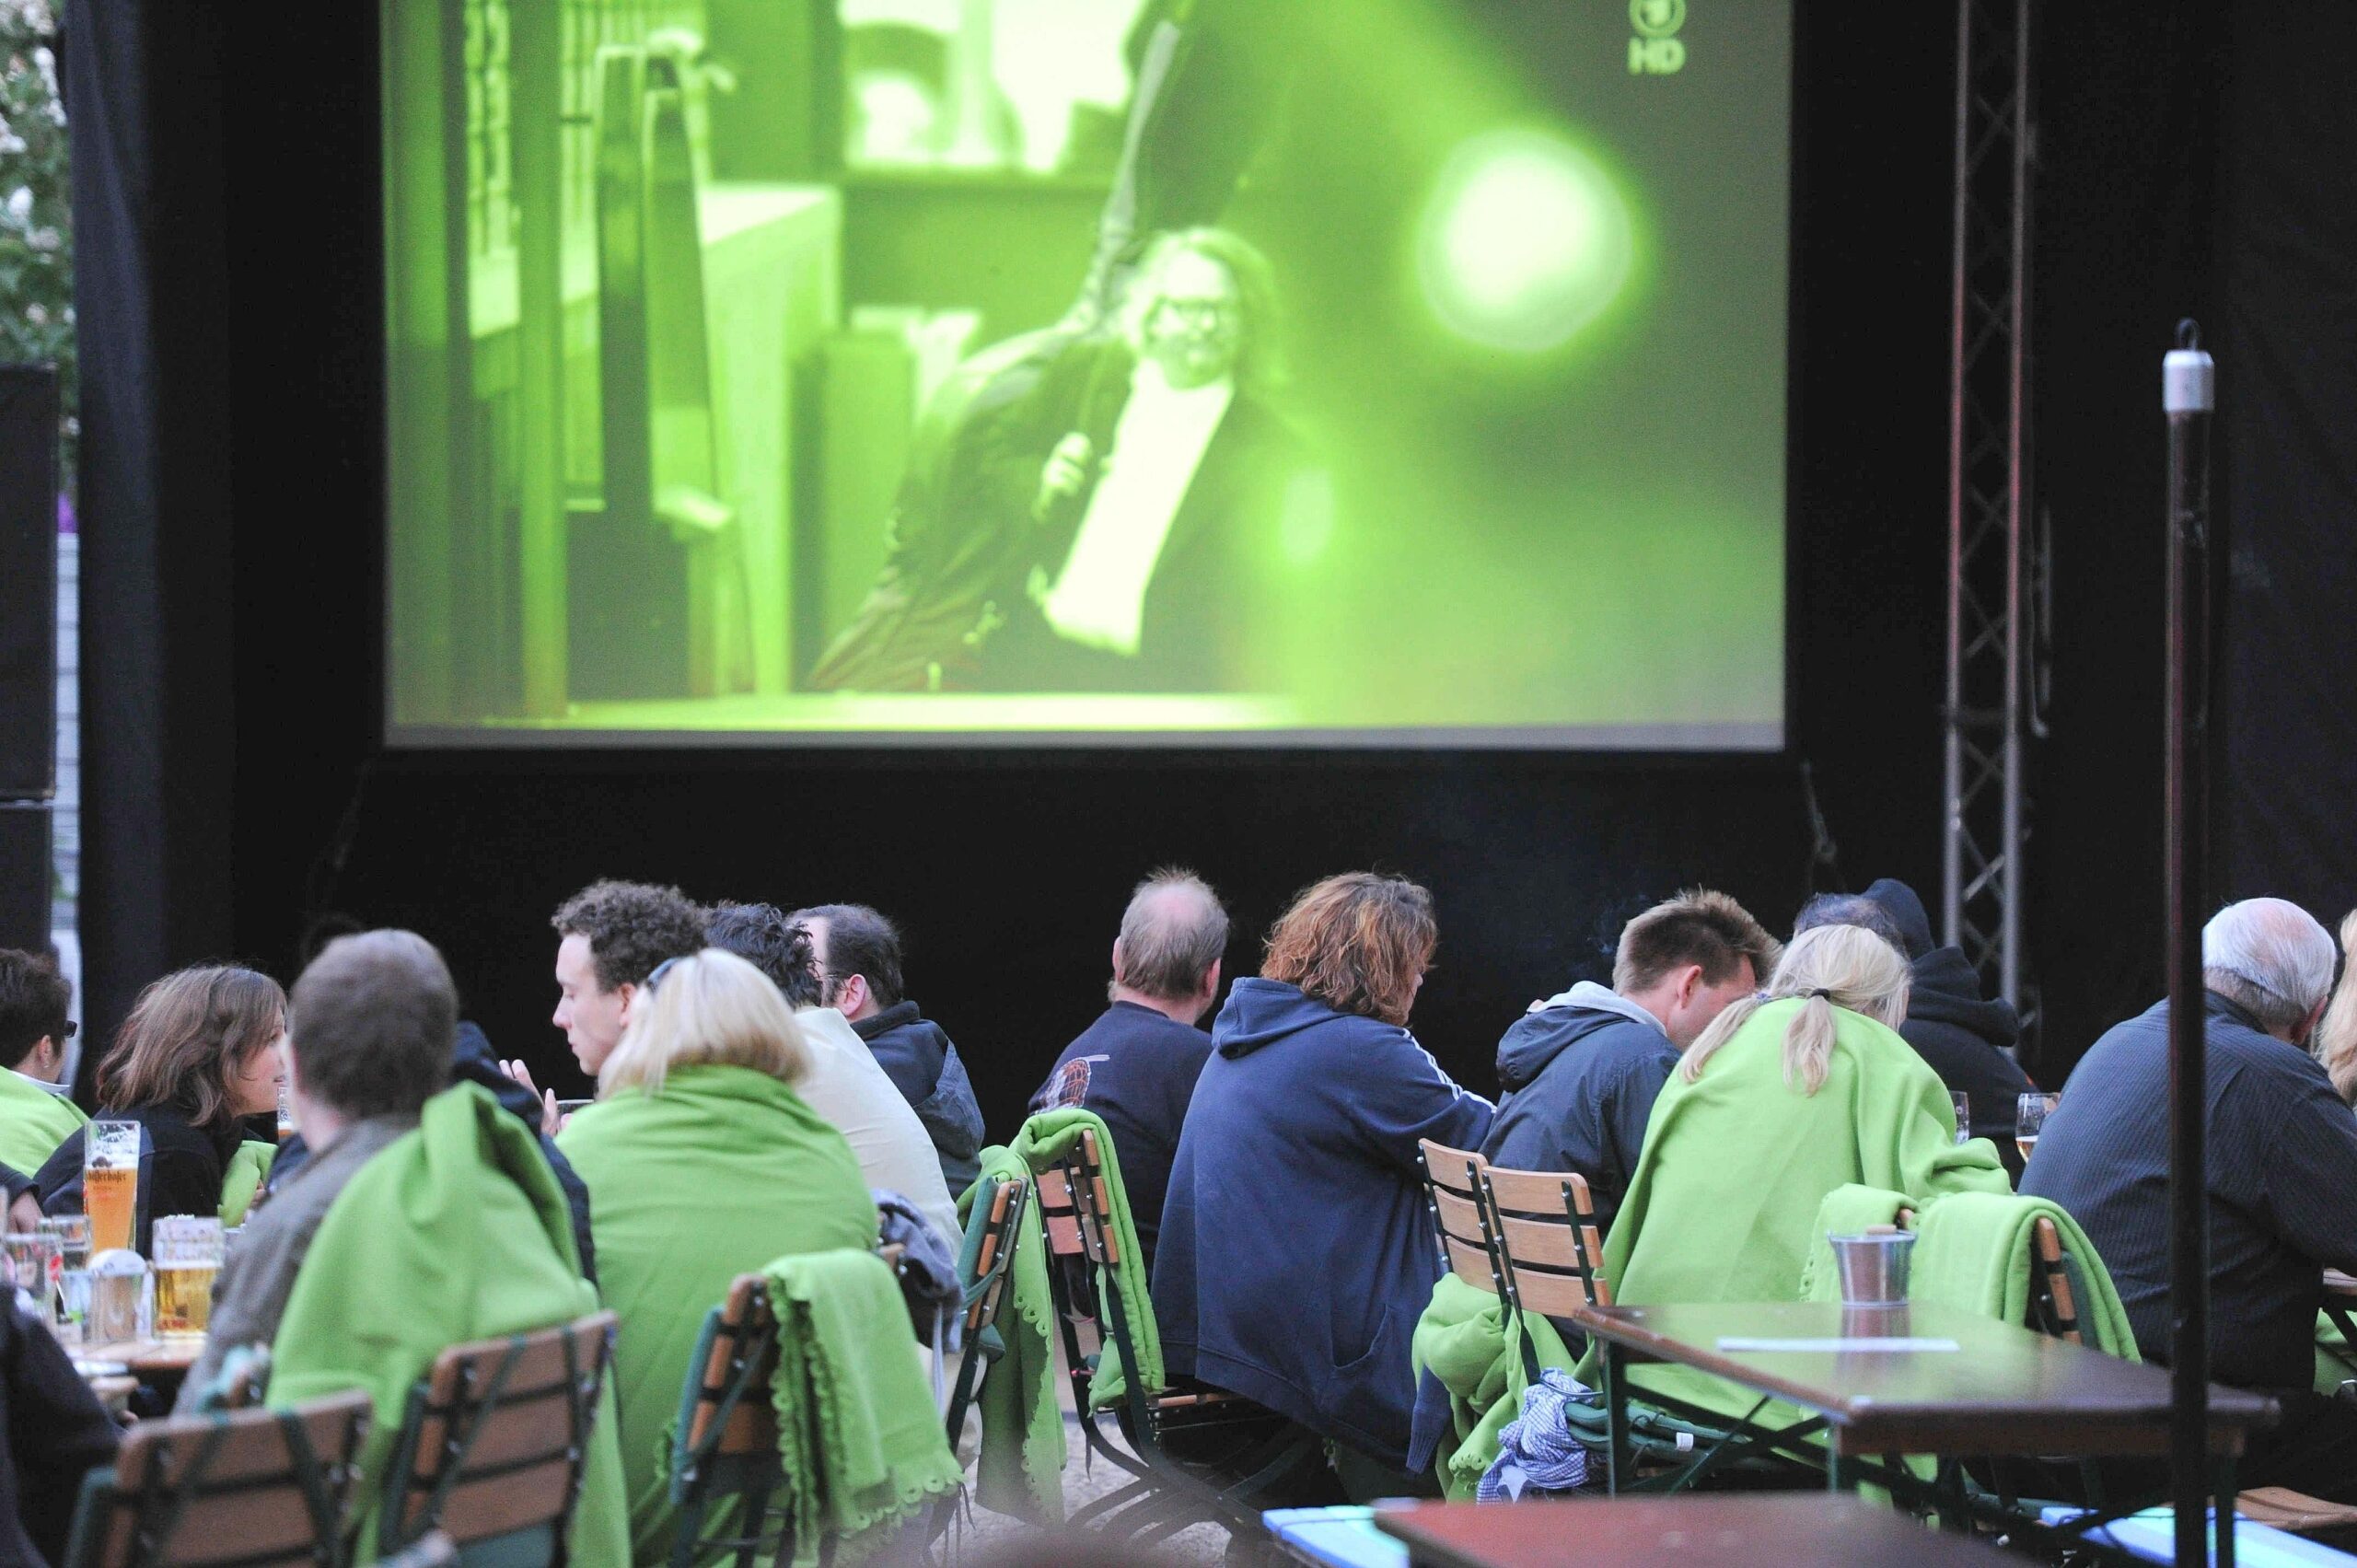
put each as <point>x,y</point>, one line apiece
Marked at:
<point>154,1361</point>
<point>1736,1531</point>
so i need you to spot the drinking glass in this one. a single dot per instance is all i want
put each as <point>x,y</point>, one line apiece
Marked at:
<point>1963,1103</point>
<point>2030,1120</point>
<point>32,1263</point>
<point>188,1257</point>
<point>111,1183</point>
<point>285,1112</point>
<point>72,1233</point>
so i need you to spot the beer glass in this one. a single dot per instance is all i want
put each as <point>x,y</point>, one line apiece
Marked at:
<point>111,1183</point>
<point>2031,1122</point>
<point>285,1112</point>
<point>32,1262</point>
<point>188,1257</point>
<point>1963,1103</point>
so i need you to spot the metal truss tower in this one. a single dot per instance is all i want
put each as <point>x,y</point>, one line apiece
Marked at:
<point>1987,714</point>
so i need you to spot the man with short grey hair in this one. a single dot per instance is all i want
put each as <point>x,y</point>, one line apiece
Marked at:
<point>1137,1065</point>
<point>2283,1179</point>
<point>371,1025</point>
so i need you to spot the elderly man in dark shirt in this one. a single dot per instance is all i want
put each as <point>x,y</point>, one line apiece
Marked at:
<point>2283,1179</point>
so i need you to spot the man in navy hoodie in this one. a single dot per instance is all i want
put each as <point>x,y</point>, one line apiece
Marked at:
<point>1581,1069</point>
<point>1137,1065</point>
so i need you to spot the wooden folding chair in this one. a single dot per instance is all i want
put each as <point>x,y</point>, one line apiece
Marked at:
<point>494,1444</point>
<point>983,1265</point>
<point>727,1454</point>
<point>247,1489</point>
<point>1461,1215</point>
<point>1169,1493</point>
<point>1546,1241</point>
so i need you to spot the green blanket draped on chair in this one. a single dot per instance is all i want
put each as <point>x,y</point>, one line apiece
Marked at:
<point>1975,1251</point>
<point>1020,1468</point>
<point>1468,1341</point>
<point>457,1231</point>
<point>859,1438</point>
<point>1042,1141</point>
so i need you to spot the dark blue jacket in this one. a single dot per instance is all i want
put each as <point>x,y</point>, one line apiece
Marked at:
<point>1136,1068</point>
<point>1296,1252</point>
<point>1580,1081</point>
<point>923,1066</point>
<point>1963,1035</point>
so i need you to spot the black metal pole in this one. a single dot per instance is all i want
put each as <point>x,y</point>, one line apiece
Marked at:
<point>2187,397</point>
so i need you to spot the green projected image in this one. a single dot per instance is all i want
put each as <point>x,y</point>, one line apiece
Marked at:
<point>1328,372</point>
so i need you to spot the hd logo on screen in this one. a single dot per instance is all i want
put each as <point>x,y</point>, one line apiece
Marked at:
<point>1656,51</point>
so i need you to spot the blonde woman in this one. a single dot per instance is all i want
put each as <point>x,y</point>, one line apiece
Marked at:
<point>2336,1036</point>
<point>1787,1095</point>
<point>703,1163</point>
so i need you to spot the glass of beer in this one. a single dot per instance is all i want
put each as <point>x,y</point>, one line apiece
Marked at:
<point>32,1263</point>
<point>188,1257</point>
<point>72,1233</point>
<point>2031,1120</point>
<point>111,1183</point>
<point>285,1112</point>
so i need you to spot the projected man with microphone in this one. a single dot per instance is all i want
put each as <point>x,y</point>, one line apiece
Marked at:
<point>1103,528</point>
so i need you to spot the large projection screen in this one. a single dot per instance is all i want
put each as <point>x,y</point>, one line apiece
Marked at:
<point>1097,372</point>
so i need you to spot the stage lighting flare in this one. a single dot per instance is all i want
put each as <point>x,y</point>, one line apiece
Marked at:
<point>1523,241</point>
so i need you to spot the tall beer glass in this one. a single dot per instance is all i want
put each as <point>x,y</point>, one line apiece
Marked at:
<point>111,1183</point>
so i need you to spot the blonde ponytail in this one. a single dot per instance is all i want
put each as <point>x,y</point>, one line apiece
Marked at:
<point>1833,966</point>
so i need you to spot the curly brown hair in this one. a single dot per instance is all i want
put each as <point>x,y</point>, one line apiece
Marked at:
<point>1359,942</point>
<point>186,1037</point>
<point>631,927</point>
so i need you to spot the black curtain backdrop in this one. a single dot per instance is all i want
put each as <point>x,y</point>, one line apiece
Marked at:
<point>2287,351</point>
<point>241,552</point>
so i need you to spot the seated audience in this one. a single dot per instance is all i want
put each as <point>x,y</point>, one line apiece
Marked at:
<point>199,1053</point>
<point>841,1081</point>
<point>1296,1252</point>
<point>369,1043</point>
<point>53,1433</point>
<point>610,937</point>
<point>35,1115</point>
<point>1786,1098</point>
<point>858,956</point>
<point>1965,1037</point>
<point>1137,1065</point>
<point>2282,1180</point>
<point>1582,1068</point>
<point>2336,1036</point>
<point>703,1163</point>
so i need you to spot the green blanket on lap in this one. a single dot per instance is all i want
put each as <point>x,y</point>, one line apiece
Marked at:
<point>456,1231</point>
<point>859,1438</point>
<point>1049,1137</point>
<point>1020,1470</point>
<point>249,1168</point>
<point>33,1122</point>
<point>1881,1118</point>
<point>1975,1251</point>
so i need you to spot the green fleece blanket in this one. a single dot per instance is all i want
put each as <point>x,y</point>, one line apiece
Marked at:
<point>33,1122</point>
<point>859,1438</point>
<point>1976,1250</point>
<point>1020,1468</point>
<point>456,1231</point>
<point>2336,1362</point>
<point>1848,1210</point>
<point>1469,1342</point>
<point>1049,1137</point>
<point>712,1177</point>
<point>1685,1232</point>
<point>249,1168</point>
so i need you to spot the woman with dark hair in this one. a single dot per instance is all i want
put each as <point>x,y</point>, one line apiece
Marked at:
<point>1295,1254</point>
<point>202,1051</point>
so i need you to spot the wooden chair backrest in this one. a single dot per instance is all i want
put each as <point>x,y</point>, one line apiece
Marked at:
<point>1548,1239</point>
<point>1460,1215</point>
<point>500,1434</point>
<point>992,1263</point>
<point>2056,1304</point>
<point>743,1359</point>
<point>227,1488</point>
